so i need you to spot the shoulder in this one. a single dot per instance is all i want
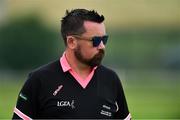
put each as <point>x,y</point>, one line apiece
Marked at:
<point>44,72</point>
<point>108,75</point>
<point>106,71</point>
<point>51,67</point>
<point>36,78</point>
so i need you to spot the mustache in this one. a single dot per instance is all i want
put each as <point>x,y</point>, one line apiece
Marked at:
<point>100,54</point>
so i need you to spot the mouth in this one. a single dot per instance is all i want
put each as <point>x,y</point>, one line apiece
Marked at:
<point>96,60</point>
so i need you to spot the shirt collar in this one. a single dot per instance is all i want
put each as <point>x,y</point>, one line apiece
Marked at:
<point>65,65</point>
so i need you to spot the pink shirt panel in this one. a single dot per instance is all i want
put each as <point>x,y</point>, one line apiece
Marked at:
<point>66,67</point>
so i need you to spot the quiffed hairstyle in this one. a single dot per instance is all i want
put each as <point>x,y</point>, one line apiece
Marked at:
<point>72,22</point>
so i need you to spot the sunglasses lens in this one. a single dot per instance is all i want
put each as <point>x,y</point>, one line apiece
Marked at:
<point>97,40</point>
<point>104,39</point>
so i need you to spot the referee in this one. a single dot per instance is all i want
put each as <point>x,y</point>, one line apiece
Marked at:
<point>76,85</point>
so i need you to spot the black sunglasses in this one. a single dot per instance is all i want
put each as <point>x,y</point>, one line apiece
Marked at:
<point>96,39</point>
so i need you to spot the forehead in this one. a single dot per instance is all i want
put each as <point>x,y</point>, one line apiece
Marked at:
<point>94,29</point>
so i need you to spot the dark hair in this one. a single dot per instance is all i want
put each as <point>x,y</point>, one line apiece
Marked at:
<point>72,22</point>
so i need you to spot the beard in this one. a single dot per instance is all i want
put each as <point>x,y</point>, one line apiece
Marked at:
<point>95,61</point>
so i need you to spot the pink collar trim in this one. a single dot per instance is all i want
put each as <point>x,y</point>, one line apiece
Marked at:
<point>64,63</point>
<point>66,67</point>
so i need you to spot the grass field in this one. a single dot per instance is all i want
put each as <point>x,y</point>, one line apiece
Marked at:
<point>148,98</point>
<point>154,101</point>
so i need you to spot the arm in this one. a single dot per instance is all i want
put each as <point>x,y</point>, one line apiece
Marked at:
<point>26,106</point>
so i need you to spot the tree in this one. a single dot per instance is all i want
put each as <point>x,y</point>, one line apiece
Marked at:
<point>26,43</point>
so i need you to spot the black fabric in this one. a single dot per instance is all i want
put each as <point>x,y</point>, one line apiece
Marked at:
<point>97,100</point>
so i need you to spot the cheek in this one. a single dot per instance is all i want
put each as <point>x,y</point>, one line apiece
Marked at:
<point>88,52</point>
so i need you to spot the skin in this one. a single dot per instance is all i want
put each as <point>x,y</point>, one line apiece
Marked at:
<point>87,49</point>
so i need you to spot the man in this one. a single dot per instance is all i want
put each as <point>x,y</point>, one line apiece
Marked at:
<point>76,85</point>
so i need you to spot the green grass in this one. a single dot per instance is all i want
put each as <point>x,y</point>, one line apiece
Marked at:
<point>8,97</point>
<point>154,102</point>
<point>147,99</point>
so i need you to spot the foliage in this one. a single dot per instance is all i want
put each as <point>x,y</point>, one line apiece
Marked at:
<point>25,42</point>
<point>144,48</point>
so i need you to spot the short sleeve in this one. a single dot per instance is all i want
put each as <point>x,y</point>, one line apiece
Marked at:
<point>26,105</point>
<point>122,107</point>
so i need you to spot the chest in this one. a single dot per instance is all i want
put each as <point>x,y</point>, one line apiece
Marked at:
<point>67,99</point>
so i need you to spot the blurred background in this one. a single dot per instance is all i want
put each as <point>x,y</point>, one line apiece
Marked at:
<point>144,49</point>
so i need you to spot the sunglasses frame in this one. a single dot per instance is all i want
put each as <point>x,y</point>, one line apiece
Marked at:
<point>95,39</point>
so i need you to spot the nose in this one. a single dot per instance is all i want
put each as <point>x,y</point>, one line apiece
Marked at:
<point>101,45</point>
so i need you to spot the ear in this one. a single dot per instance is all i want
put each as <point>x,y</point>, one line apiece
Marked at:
<point>71,42</point>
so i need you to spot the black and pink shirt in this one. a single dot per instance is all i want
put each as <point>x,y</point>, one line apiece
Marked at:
<point>56,91</point>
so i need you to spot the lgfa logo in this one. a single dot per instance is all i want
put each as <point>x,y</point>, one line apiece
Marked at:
<point>66,104</point>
